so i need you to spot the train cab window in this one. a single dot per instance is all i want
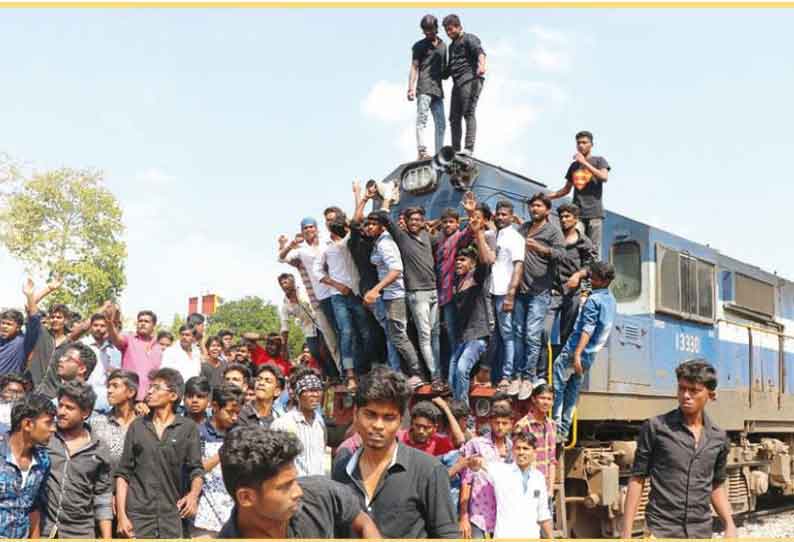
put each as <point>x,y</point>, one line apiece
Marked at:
<point>628,271</point>
<point>685,285</point>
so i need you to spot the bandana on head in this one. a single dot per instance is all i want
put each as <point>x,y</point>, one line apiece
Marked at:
<point>308,383</point>
<point>308,221</point>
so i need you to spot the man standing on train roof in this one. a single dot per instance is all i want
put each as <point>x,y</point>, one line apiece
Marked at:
<point>466,64</point>
<point>587,175</point>
<point>428,60</point>
<point>684,453</point>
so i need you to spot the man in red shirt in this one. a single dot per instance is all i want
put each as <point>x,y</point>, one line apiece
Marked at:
<point>271,353</point>
<point>423,433</point>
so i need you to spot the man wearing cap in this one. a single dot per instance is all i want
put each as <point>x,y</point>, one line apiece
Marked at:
<point>301,253</point>
<point>391,289</point>
<point>305,422</point>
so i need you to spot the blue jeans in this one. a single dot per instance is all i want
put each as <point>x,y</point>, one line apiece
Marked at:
<point>463,360</point>
<point>425,103</point>
<point>451,326</point>
<point>392,356</point>
<point>566,388</point>
<point>529,316</point>
<point>423,305</point>
<point>504,328</point>
<point>353,329</point>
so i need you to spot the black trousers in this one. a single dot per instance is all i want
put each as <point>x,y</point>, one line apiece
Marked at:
<point>464,106</point>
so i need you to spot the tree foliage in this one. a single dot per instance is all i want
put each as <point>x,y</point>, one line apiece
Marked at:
<point>66,222</point>
<point>253,313</point>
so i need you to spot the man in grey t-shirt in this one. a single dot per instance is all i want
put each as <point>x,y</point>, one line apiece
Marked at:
<point>428,58</point>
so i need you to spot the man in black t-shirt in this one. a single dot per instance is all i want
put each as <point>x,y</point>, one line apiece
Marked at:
<point>587,175</point>
<point>466,65</point>
<point>428,59</point>
<point>269,500</point>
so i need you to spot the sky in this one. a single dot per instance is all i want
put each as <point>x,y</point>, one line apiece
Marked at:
<point>219,129</point>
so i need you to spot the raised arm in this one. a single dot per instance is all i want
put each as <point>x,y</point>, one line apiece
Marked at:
<point>486,253</point>
<point>115,337</point>
<point>458,438</point>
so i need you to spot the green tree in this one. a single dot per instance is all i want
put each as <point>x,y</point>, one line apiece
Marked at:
<point>176,323</point>
<point>253,313</point>
<point>66,222</point>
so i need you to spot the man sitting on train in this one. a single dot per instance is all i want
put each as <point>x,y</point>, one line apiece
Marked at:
<point>589,335</point>
<point>684,453</point>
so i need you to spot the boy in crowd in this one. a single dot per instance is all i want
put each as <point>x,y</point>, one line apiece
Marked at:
<point>477,500</point>
<point>423,433</point>
<point>15,345</point>
<point>268,385</point>
<point>522,503</point>
<point>140,353</point>
<point>237,374</point>
<point>572,269</point>
<point>589,335</point>
<point>162,455</point>
<point>684,454</point>
<point>538,423</point>
<point>587,175</point>
<point>471,305</point>
<point>306,422</point>
<point>388,476</point>
<point>215,504</point>
<point>197,399</point>
<point>428,63</point>
<point>23,450</point>
<point>391,289</point>
<point>271,501</point>
<point>185,356</point>
<point>79,488</point>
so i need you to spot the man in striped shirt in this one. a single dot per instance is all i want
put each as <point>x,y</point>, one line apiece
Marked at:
<point>537,421</point>
<point>305,422</point>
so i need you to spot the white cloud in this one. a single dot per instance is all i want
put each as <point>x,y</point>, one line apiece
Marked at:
<point>549,59</point>
<point>548,35</point>
<point>154,176</point>
<point>386,102</point>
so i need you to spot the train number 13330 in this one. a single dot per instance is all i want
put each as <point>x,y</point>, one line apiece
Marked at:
<point>687,343</point>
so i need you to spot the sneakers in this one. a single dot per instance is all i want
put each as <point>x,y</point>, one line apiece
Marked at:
<point>515,387</point>
<point>422,155</point>
<point>525,390</point>
<point>415,382</point>
<point>503,385</point>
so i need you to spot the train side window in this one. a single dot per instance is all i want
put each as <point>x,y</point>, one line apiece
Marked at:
<point>685,285</point>
<point>755,295</point>
<point>628,271</point>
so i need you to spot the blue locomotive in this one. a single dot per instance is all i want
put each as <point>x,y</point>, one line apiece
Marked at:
<point>677,299</point>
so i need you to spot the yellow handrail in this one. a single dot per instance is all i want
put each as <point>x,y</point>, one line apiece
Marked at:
<point>574,430</point>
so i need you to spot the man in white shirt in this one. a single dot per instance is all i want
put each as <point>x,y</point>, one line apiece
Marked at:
<point>522,502</point>
<point>107,356</point>
<point>335,269</point>
<point>183,356</point>
<point>505,278</point>
<point>301,253</point>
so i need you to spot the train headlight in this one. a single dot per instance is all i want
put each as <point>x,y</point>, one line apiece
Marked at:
<point>420,179</point>
<point>482,407</point>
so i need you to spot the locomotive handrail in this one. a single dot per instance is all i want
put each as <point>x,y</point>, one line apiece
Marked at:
<point>574,430</point>
<point>755,327</point>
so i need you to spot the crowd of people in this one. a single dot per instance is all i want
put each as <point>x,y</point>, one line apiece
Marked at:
<point>153,434</point>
